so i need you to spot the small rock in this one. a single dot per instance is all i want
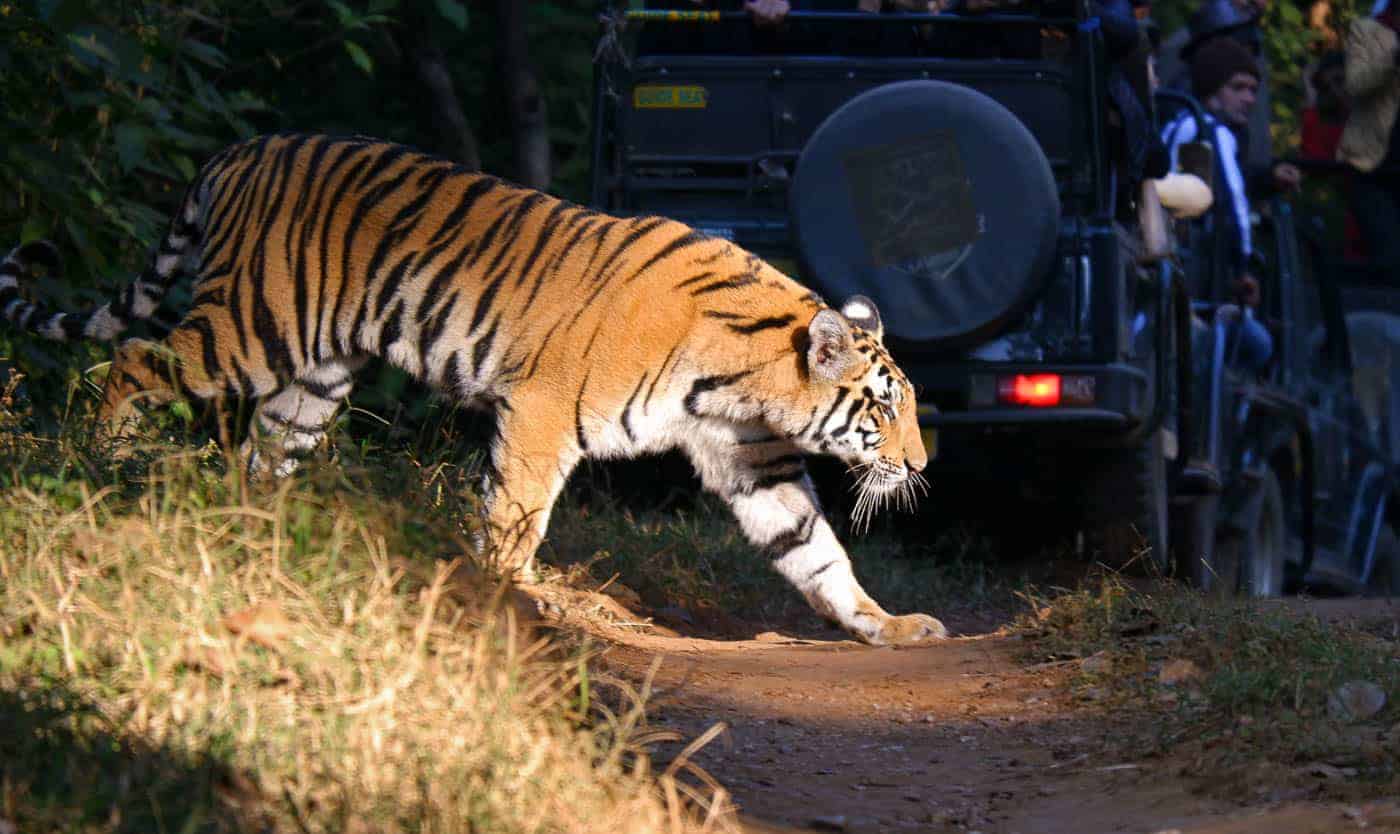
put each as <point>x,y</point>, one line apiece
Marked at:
<point>1355,701</point>
<point>1178,672</point>
<point>7,827</point>
<point>1096,664</point>
<point>835,823</point>
<point>1328,771</point>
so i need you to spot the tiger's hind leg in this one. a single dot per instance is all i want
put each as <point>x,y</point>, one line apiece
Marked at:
<point>291,423</point>
<point>145,373</point>
<point>530,464</point>
<point>142,374</point>
<point>764,480</point>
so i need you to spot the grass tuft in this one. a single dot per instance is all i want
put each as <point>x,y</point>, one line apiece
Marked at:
<point>181,652</point>
<point>1245,682</point>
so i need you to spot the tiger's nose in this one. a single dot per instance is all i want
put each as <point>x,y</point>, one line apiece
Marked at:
<point>916,466</point>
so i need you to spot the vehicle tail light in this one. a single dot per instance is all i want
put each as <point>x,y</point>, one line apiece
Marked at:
<point>1045,390</point>
<point>1037,390</point>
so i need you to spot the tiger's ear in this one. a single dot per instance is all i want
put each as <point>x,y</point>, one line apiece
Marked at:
<point>862,313</point>
<point>830,352</point>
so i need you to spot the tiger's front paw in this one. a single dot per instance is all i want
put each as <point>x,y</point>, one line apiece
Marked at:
<point>910,628</point>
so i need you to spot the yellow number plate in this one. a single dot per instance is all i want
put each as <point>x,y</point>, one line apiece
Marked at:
<point>653,96</point>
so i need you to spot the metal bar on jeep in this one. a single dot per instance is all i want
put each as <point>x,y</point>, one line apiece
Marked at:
<point>691,16</point>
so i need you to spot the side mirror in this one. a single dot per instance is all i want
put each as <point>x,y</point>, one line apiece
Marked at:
<point>1197,158</point>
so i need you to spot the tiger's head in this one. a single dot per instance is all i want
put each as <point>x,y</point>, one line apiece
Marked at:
<point>865,410</point>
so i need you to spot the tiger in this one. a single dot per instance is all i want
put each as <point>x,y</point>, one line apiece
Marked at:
<point>590,336</point>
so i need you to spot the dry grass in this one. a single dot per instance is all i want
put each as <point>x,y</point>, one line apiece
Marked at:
<point>177,654</point>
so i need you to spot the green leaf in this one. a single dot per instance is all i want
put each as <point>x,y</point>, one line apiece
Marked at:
<point>360,57</point>
<point>35,228</point>
<point>86,47</point>
<point>131,144</point>
<point>342,13</point>
<point>210,56</point>
<point>455,12</point>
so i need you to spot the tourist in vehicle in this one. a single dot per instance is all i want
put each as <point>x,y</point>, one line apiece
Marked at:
<point>1237,19</point>
<point>771,31</point>
<point>1321,136</point>
<point>1225,78</point>
<point>1369,141</point>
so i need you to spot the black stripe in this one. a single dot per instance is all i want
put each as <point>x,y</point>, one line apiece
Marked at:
<point>781,460</point>
<point>725,284</point>
<point>578,415</point>
<point>452,374</point>
<point>704,276</point>
<point>389,333</point>
<point>770,323</point>
<point>821,570</point>
<point>476,190</point>
<point>769,481</point>
<point>627,409</point>
<point>542,238</point>
<point>313,346</point>
<point>690,238</point>
<point>850,415</point>
<point>840,396</point>
<point>664,362</point>
<point>482,349</point>
<point>202,326</point>
<point>539,352</point>
<point>709,383</point>
<point>785,543</point>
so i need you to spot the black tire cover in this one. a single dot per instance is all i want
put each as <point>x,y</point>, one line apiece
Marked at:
<point>935,201</point>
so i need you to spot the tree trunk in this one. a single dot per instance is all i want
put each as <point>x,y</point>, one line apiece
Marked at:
<point>529,122</point>
<point>420,48</point>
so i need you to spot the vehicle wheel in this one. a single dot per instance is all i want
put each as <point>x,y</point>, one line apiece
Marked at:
<point>1127,506</point>
<point>1385,576</point>
<point>1250,562</point>
<point>936,202</point>
<point>1193,540</point>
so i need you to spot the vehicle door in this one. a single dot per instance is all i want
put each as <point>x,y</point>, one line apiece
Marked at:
<point>1345,454</point>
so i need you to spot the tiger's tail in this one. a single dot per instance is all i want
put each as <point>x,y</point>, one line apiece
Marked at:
<point>136,301</point>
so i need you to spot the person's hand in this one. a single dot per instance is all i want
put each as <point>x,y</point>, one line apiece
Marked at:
<point>1246,290</point>
<point>767,12</point>
<point>1287,177</point>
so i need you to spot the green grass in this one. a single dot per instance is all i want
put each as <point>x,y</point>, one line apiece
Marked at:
<point>1256,695</point>
<point>696,558</point>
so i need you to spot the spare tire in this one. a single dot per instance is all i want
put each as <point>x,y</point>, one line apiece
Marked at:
<point>935,201</point>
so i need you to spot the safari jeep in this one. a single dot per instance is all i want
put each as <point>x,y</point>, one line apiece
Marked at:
<point>959,171</point>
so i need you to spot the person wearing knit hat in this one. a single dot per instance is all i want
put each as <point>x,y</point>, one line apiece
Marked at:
<point>1225,77</point>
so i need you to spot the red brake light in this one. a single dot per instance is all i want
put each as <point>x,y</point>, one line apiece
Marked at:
<point>1036,390</point>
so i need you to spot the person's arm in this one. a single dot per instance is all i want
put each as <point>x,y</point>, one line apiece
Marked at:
<point>1272,178</point>
<point>1178,132</point>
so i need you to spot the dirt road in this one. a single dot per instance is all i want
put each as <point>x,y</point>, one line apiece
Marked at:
<point>826,734</point>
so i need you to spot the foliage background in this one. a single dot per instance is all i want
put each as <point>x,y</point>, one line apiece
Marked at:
<point>110,105</point>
